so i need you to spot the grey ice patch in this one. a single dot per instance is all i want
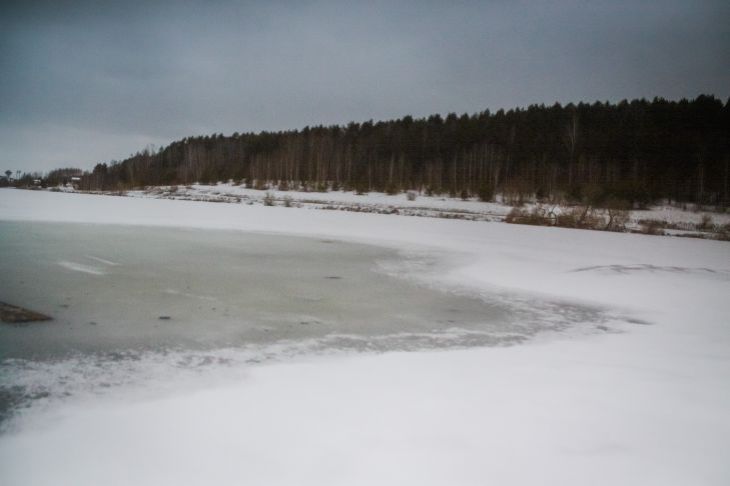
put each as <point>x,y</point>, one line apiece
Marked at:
<point>418,266</point>
<point>80,267</point>
<point>192,296</point>
<point>101,260</point>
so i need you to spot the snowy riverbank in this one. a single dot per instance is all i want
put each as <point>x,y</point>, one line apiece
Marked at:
<point>647,405</point>
<point>675,220</point>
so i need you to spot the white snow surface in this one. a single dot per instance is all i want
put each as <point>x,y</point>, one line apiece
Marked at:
<point>424,205</point>
<point>648,406</point>
<point>341,197</point>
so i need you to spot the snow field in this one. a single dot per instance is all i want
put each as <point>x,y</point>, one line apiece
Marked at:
<point>646,406</point>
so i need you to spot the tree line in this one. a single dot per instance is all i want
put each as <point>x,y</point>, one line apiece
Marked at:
<point>634,151</point>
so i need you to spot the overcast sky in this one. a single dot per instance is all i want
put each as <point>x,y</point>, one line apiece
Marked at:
<point>86,82</point>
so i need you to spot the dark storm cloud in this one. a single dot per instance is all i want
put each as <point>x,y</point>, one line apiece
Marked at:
<point>82,82</point>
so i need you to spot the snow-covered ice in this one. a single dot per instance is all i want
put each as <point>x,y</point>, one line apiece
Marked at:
<point>647,405</point>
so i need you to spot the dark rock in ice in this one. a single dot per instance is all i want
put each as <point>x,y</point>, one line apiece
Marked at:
<point>18,315</point>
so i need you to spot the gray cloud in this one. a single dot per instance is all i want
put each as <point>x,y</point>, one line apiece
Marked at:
<point>83,82</point>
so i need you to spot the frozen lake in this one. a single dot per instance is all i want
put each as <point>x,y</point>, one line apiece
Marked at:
<point>132,399</point>
<point>117,293</point>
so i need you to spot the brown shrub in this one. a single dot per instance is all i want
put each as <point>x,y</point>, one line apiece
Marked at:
<point>705,223</point>
<point>651,227</point>
<point>536,217</point>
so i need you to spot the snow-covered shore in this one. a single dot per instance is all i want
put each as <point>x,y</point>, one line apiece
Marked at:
<point>687,221</point>
<point>648,405</point>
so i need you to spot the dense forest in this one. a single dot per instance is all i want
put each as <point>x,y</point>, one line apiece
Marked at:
<point>634,151</point>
